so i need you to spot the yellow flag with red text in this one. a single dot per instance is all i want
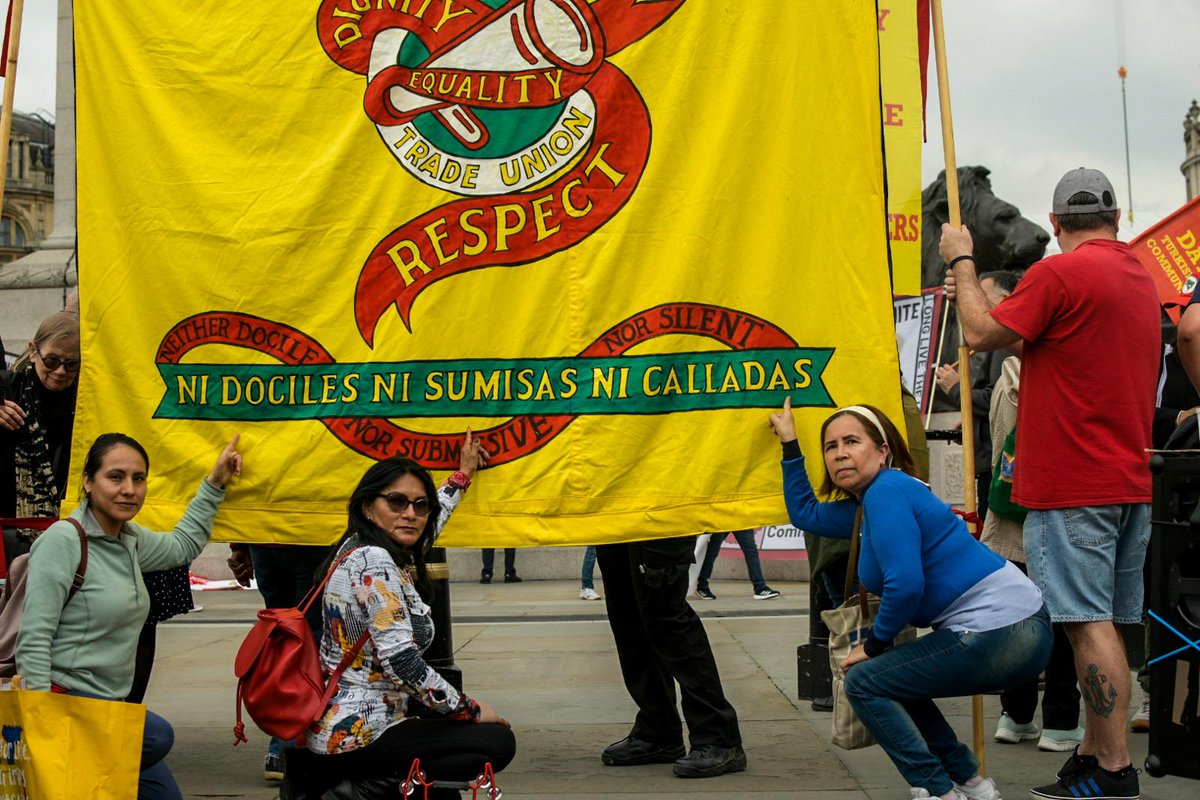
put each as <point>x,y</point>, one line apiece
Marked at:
<point>609,236</point>
<point>901,75</point>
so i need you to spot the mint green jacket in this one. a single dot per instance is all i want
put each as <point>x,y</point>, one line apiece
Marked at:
<point>88,645</point>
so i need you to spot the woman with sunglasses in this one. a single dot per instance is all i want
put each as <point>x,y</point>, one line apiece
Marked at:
<point>37,414</point>
<point>390,707</point>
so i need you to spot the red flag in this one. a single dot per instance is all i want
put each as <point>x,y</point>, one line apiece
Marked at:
<point>1170,251</point>
<point>923,13</point>
<point>4,49</point>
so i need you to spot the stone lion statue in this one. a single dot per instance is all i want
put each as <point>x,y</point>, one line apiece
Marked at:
<point>1003,238</point>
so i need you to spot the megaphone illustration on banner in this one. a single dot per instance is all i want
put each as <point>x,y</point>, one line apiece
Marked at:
<point>520,38</point>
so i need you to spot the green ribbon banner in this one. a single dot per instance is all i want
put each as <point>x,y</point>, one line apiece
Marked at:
<point>641,384</point>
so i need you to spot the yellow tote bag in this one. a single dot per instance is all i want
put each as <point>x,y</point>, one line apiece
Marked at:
<point>60,747</point>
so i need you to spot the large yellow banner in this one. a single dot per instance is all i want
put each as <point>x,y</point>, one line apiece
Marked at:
<point>607,235</point>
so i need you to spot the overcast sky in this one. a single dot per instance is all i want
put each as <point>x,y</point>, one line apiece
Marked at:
<point>1034,90</point>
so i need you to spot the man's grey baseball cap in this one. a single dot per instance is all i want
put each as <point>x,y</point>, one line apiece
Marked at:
<point>1079,180</point>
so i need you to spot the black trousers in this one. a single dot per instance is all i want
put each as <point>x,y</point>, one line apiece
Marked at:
<point>449,750</point>
<point>510,560</point>
<point>286,573</point>
<point>1060,701</point>
<point>660,642</point>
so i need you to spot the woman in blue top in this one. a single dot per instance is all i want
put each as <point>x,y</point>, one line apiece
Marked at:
<point>990,629</point>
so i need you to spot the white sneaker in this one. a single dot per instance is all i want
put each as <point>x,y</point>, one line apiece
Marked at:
<point>1060,741</point>
<point>1140,723</point>
<point>588,594</point>
<point>1011,732</point>
<point>984,790</point>
<point>917,793</point>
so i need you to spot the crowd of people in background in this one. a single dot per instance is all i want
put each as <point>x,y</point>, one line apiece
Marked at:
<point>1059,561</point>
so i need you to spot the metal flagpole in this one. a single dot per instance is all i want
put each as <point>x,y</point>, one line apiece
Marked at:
<point>964,358</point>
<point>1121,73</point>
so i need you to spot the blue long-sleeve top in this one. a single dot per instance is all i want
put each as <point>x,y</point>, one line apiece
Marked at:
<point>916,555</point>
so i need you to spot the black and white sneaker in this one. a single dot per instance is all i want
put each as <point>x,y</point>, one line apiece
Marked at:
<point>1092,783</point>
<point>1076,764</point>
<point>705,593</point>
<point>273,767</point>
<point>767,593</point>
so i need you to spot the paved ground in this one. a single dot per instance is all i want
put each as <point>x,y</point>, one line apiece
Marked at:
<point>544,658</point>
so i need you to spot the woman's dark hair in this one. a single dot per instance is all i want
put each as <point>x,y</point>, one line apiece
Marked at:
<point>373,483</point>
<point>105,442</point>
<point>901,458</point>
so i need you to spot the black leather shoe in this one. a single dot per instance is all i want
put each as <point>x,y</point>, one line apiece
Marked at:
<point>485,577</point>
<point>710,760</point>
<point>630,751</point>
<point>513,577</point>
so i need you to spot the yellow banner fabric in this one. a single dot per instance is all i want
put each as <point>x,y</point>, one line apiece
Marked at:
<point>610,236</point>
<point>900,62</point>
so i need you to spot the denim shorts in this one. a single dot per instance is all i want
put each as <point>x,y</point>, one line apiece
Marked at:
<point>1088,560</point>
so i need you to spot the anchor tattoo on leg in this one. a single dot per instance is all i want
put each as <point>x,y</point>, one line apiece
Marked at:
<point>1093,692</point>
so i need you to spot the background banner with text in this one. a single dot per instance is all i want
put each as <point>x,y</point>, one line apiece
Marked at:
<point>1170,251</point>
<point>918,332</point>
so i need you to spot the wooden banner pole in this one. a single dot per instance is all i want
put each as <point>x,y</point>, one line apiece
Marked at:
<point>10,86</point>
<point>964,359</point>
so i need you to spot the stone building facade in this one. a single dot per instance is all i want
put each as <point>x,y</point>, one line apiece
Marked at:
<point>28,214</point>
<point>35,281</point>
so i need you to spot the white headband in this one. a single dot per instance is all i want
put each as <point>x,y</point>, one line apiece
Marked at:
<point>871,417</point>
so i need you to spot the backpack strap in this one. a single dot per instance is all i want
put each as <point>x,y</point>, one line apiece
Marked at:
<point>352,653</point>
<point>81,570</point>
<point>336,675</point>
<point>852,561</point>
<point>316,590</point>
<point>852,567</point>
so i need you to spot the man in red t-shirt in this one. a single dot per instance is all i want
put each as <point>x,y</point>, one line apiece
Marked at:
<point>1089,320</point>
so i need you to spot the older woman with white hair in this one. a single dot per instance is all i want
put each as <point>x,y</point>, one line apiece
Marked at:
<point>37,415</point>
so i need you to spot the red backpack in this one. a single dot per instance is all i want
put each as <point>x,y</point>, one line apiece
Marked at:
<point>278,667</point>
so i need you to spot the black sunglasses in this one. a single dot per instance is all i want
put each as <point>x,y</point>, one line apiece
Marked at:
<point>399,503</point>
<point>54,362</point>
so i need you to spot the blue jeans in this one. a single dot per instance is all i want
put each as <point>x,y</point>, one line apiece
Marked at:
<point>1088,560</point>
<point>893,693</point>
<point>745,540</point>
<point>155,781</point>
<point>589,566</point>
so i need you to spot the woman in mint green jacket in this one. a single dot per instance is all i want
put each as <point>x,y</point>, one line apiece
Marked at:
<point>84,644</point>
